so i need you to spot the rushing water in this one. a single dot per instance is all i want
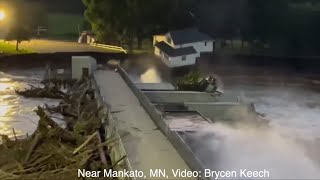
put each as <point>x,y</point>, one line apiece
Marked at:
<point>16,111</point>
<point>149,76</point>
<point>288,149</point>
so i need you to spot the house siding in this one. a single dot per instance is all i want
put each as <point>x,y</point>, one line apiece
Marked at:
<point>199,46</point>
<point>177,61</point>
<point>157,51</point>
<point>159,38</point>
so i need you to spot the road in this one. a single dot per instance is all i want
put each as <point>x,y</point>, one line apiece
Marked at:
<point>51,46</point>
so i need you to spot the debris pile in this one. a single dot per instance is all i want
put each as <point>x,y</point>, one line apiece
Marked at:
<point>48,91</point>
<point>53,152</point>
<point>194,81</point>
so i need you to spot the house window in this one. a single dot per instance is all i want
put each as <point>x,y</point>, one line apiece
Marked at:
<point>184,58</point>
<point>205,43</point>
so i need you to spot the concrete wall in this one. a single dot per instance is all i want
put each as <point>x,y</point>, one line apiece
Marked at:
<point>225,112</point>
<point>80,62</point>
<point>193,162</point>
<point>178,96</point>
<point>116,150</point>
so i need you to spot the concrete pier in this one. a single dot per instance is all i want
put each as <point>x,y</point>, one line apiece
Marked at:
<point>146,146</point>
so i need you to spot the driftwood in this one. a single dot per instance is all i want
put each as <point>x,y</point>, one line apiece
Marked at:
<point>117,162</point>
<point>14,134</point>
<point>46,92</point>
<point>101,152</point>
<point>56,153</point>
<point>35,142</point>
<point>85,143</point>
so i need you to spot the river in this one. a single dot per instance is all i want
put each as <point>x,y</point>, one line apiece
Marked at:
<point>16,111</point>
<point>288,149</point>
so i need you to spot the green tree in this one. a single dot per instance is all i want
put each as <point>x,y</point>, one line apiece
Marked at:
<point>130,20</point>
<point>19,34</point>
<point>20,29</point>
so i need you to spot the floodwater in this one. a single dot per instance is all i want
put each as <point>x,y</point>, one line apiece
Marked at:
<point>287,150</point>
<point>16,111</point>
<point>149,76</point>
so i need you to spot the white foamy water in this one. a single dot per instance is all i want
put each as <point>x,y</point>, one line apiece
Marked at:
<point>239,148</point>
<point>151,75</point>
<point>293,111</point>
<point>289,149</point>
<point>16,111</point>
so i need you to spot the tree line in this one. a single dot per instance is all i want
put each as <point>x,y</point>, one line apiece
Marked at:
<point>126,21</point>
<point>289,26</point>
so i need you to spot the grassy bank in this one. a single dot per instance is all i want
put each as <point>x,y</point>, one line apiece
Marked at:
<point>6,48</point>
<point>64,26</point>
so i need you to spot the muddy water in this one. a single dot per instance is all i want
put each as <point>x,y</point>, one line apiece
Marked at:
<point>16,111</point>
<point>288,150</point>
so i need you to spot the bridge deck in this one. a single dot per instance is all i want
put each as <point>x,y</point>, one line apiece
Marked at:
<point>146,146</point>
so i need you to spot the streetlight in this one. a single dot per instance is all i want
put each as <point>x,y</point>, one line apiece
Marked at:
<point>2,15</point>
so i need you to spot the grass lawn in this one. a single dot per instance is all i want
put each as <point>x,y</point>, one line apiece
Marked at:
<point>6,48</point>
<point>64,26</point>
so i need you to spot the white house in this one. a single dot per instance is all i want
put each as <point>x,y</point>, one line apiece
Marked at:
<point>182,47</point>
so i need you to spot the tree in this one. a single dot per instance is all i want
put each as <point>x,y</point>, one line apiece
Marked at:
<point>19,34</point>
<point>130,20</point>
<point>20,29</point>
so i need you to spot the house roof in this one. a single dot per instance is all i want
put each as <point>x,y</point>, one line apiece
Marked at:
<point>174,52</point>
<point>189,35</point>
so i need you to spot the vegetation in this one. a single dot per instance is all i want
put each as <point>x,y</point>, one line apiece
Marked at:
<point>194,81</point>
<point>288,27</point>
<point>18,33</point>
<point>127,21</point>
<point>6,48</point>
<point>63,25</point>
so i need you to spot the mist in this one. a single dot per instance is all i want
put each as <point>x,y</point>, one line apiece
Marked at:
<point>288,148</point>
<point>256,149</point>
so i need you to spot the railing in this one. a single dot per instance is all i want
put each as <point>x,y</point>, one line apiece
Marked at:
<point>116,149</point>
<point>111,47</point>
<point>189,157</point>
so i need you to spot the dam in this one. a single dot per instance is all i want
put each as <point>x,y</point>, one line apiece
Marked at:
<point>159,128</point>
